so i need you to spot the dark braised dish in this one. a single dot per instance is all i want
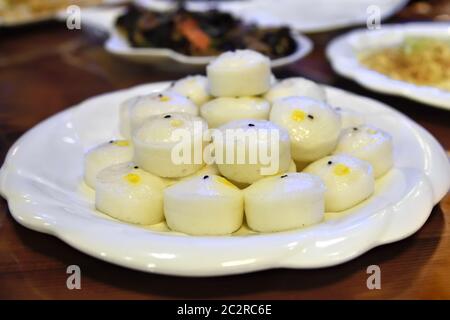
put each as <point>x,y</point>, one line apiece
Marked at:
<point>201,33</point>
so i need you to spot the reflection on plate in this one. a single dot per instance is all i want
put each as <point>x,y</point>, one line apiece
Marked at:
<point>344,53</point>
<point>41,181</point>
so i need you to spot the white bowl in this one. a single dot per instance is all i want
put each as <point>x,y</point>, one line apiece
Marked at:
<point>42,174</point>
<point>119,46</point>
<point>343,55</point>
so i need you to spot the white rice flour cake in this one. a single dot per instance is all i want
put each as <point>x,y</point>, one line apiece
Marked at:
<point>350,118</point>
<point>194,87</point>
<point>239,73</point>
<point>134,111</point>
<point>204,205</point>
<point>298,87</point>
<point>287,201</point>
<point>105,155</point>
<point>219,111</point>
<point>370,144</point>
<point>313,126</point>
<point>130,194</point>
<point>348,180</point>
<point>249,169</point>
<point>156,143</point>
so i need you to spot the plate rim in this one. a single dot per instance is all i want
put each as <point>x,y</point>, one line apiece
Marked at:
<point>118,46</point>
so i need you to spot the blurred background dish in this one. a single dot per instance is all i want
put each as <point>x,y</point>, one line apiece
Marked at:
<point>189,38</point>
<point>412,60</point>
<point>167,38</point>
<point>437,10</point>
<point>201,34</point>
<point>303,15</point>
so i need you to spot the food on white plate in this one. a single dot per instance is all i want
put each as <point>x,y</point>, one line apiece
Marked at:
<point>245,166</point>
<point>349,118</point>
<point>313,126</point>
<point>239,73</point>
<point>105,155</point>
<point>193,87</point>
<point>201,180</point>
<point>370,144</point>
<point>284,202</point>
<point>348,180</point>
<point>222,110</point>
<point>130,194</point>
<point>204,205</point>
<point>167,145</point>
<point>134,111</point>
<point>424,61</point>
<point>297,86</point>
<point>200,34</point>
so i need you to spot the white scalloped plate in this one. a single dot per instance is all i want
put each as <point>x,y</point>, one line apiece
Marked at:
<point>119,46</point>
<point>42,173</point>
<point>343,55</point>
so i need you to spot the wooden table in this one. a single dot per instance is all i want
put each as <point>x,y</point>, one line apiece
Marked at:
<point>47,68</point>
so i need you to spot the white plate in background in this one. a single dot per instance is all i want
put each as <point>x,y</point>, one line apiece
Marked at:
<point>119,46</point>
<point>343,53</point>
<point>104,19</point>
<point>303,15</point>
<point>43,170</point>
<point>29,18</point>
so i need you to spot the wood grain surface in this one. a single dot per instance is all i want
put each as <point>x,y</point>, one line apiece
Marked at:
<point>46,68</point>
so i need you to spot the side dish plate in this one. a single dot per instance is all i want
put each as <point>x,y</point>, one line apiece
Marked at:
<point>343,55</point>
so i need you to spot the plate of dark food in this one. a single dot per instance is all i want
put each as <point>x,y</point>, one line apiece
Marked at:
<point>195,38</point>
